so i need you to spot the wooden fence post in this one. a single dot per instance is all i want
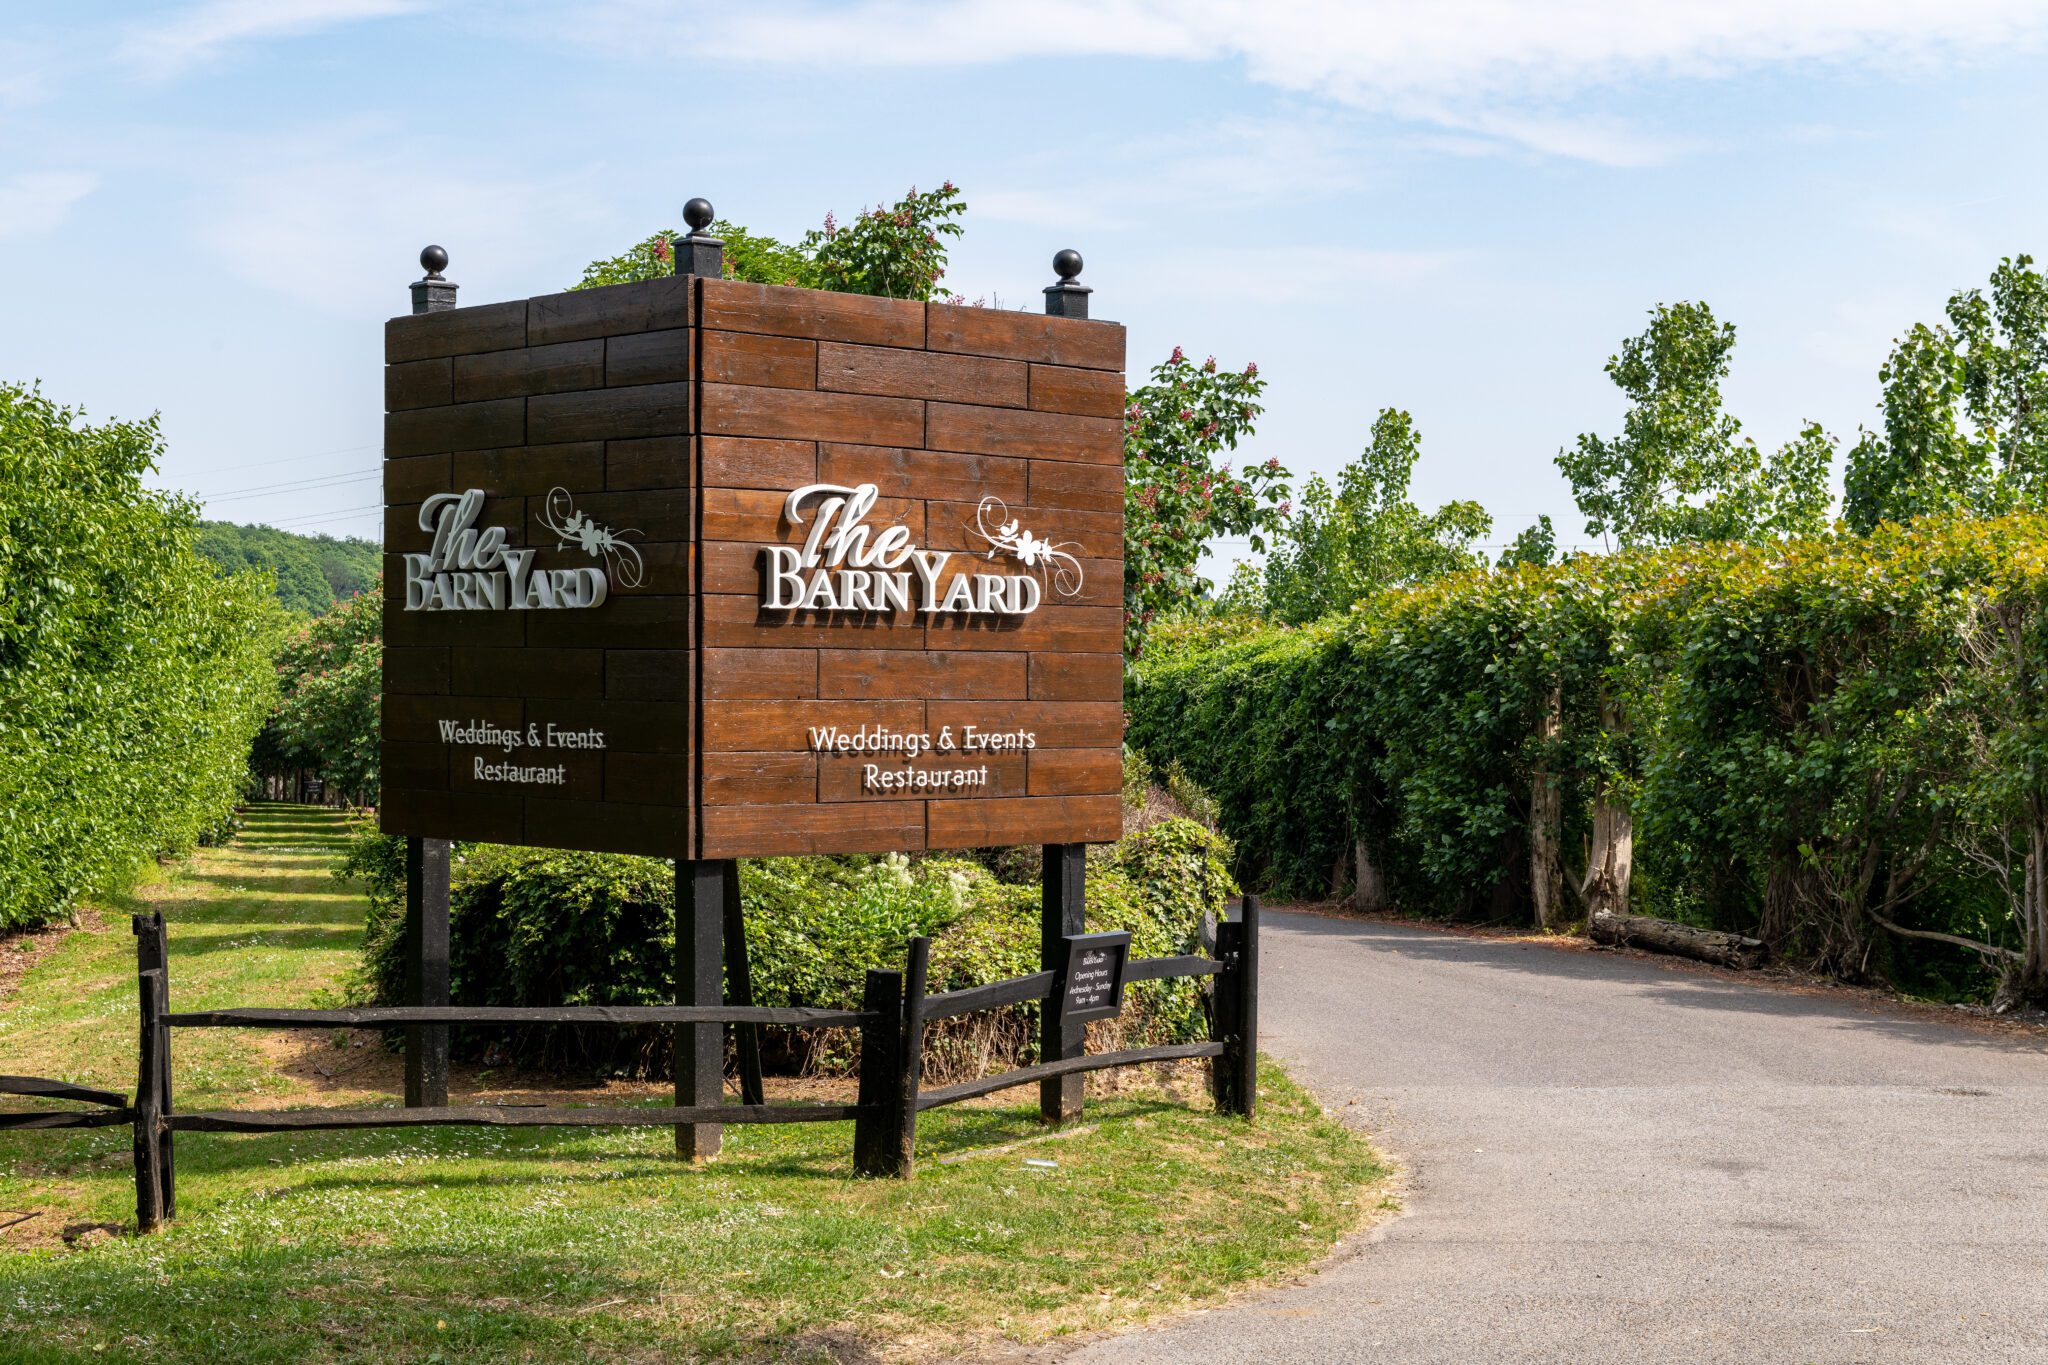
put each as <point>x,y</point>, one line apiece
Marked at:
<point>149,1109</point>
<point>427,875</point>
<point>911,1068</point>
<point>1063,911</point>
<point>739,985</point>
<point>1234,1018</point>
<point>877,1143</point>
<point>700,980</point>
<point>152,952</point>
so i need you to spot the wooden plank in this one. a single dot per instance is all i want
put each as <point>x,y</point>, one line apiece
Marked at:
<point>610,414</point>
<point>631,1016</point>
<point>752,779</point>
<point>1085,487</point>
<point>738,622</point>
<point>1076,772</point>
<point>733,306</point>
<point>415,478</point>
<point>799,414</point>
<point>403,533</point>
<point>841,827</point>
<point>530,470</point>
<point>648,358</point>
<point>460,426</point>
<point>646,727</point>
<point>733,568</point>
<point>889,371</point>
<point>417,767</point>
<point>612,310</point>
<point>649,462</point>
<point>844,777</point>
<point>444,815</point>
<point>1053,724</point>
<point>647,779</point>
<point>45,1088</point>
<point>647,674</point>
<point>1086,393</point>
<point>949,475</point>
<point>419,384</point>
<point>760,674</point>
<point>638,619</point>
<point>608,827</point>
<point>881,675</point>
<point>1080,630</point>
<point>458,331</point>
<point>416,668</point>
<point>1024,820</point>
<point>571,778</point>
<point>91,1118</point>
<point>559,368</point>
<point>508,1116</point>
<point>1101,1061</point>
<point>990,996</point>
<point>526,672</point>
<point>755,726</point>
<point>1168,968</point>
<point>1035,435</point>
<point>767,361</point>
<point>745,462</point>
<point>1077,677</point>
<point>1024,336</point>
<point>402,627</point>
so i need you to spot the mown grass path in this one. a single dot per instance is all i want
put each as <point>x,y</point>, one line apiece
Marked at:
<point>533,1245</point>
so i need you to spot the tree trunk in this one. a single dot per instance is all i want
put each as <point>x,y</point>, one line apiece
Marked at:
<point>1658,935</point>
<point>1546,825</point>
<point>1369,890</point>
<point>1613,858</point>
<point>2031,987</point>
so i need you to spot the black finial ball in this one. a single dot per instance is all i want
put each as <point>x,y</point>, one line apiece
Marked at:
<point>1067,264</point>
<point>698,214</point>
<point>434,260</point>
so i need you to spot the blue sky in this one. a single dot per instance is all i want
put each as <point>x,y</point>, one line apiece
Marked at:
<point>208,209</point>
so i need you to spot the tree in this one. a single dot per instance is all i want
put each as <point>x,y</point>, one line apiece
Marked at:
<point>897,251</point>
<point>1965,410</point>
<point>329,672</point>
<point>1681,470</point>
<point>1535,545</point>
<point>1343,544</point>
<point>1179,491</point>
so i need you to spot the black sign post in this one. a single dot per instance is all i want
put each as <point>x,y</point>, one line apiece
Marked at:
<point>1092,983</point>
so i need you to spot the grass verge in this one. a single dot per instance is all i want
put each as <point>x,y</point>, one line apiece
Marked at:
<point>537,1245</point>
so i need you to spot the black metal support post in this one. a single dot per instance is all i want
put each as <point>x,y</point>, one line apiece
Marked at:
<point>878,1120</point>
<point>739,984</point>
<point>911,1067</point>
<point>150,1135</point>
<point>1063,911</point>
<point>1234,1016</point>
<point>152,953</point>
<point>700,963</point>
<point>426,969</point>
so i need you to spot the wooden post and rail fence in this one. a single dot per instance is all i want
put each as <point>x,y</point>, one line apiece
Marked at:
<point>894,1014</point>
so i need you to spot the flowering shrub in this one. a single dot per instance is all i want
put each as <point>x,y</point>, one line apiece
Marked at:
<point>329,673</point>
<point>1179,490</point>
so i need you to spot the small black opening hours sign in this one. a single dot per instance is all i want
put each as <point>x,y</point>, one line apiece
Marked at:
<point>1092,986</point>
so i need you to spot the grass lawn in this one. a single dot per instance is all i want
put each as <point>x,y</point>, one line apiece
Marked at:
<point>573,1244</point>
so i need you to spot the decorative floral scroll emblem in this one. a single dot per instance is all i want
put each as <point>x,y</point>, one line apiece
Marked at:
<point>561,517</point>
<point>1009,534</point>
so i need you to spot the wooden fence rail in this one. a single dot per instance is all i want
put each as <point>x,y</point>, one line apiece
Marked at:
<point>895,1010</point>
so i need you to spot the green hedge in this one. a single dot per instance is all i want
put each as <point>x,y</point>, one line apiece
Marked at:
<point>132,673</point>
<point>1841,743</point>
<point>544,927</point>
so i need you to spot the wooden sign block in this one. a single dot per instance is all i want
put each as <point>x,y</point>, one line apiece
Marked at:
<point>702,569</point>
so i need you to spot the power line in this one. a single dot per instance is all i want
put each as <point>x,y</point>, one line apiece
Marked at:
<point>297,486</point>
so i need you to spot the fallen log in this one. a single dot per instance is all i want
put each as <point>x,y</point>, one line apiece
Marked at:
<point>1663,936</point>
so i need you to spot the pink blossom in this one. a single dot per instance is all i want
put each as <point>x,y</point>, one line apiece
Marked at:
<point>1177,357</point>
<point>1273,463</point>
<point>1251,371</point>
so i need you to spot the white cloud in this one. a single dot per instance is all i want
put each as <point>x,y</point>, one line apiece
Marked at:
<point>39,201</point>
<point>1496,67</point>
<point>202,33</point>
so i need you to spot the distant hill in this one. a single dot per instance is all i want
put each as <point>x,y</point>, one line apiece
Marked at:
<point>313,572</point>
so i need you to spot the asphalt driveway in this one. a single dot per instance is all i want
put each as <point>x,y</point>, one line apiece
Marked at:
<point>1613,1160</point>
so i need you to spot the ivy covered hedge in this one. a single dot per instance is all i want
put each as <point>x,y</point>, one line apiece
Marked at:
<point>1840,744</point>
<point>544,927</point>
<point>133,674</point>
